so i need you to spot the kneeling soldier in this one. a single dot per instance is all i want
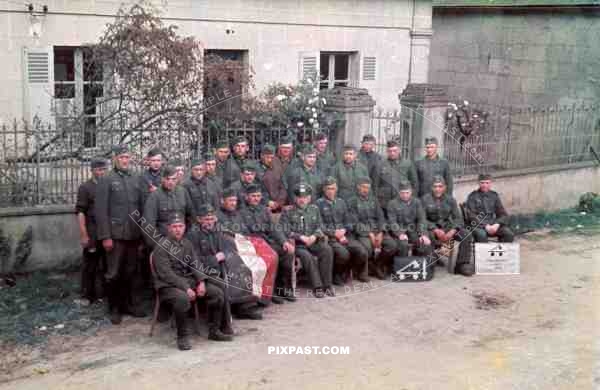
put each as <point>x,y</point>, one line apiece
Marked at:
<point>348,253</point>
<point>484,210</point>
<point>180,284</point>
<point>303,224</point>
<point>407,223</point>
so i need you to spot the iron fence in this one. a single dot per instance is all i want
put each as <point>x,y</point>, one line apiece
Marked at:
<point>388,125</point>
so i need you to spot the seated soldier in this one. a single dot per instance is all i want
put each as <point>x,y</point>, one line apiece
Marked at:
<point>370,228</point>
<point>259,225</point>
<point>247,178</point>
<point>303,224</point>
<point>304,171</point>
<point>348,253</point>
<point>407,223</point>
<point>486,214</point>
<point>180,284</point>
<point>445,225</point>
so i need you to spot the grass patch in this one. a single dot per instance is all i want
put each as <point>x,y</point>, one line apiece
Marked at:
<point>558,222</point>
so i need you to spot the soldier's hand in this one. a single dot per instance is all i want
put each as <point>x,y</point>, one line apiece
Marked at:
<point>152,188</point>
<point>84,241</point>
<point>424,240</point>
<point>450,234</point>
<point>272,205</point>
<point>288,247</point>
<point>220,257</point>
<point>191,294</point>
<point>403,237</point>
<point>201,289</point>
<point>492,229</point>
<point>107,244</point>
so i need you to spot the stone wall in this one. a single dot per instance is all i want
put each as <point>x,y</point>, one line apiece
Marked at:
<point>517,57</point>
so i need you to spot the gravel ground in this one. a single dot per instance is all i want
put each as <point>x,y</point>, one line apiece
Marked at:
<point>537,330</point>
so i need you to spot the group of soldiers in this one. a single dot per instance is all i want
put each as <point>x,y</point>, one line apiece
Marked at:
<point>340,218</point>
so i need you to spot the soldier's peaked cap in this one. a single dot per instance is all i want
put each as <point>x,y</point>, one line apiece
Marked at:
<point>439,179</point>
<point>303,189</point>
<point>253,189</point>
<point>431,140</point>
<point>176,218</point>
<point>229,192</point>
<point>206,209</point>
<point>363,180</point>
<point>119,149</point>
<point>99,162</point>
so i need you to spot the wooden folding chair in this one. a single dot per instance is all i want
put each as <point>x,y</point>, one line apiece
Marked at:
<point>157,302</point>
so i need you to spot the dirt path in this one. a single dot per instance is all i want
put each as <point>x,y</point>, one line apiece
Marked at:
<point>539,330</point>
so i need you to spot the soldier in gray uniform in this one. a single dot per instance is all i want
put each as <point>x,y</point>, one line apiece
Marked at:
<point>306,172</point>
<point>392,171</point>
<point>248,178</point>
<point>231,169</point>
<point>119,200</point>
<point>152,174</point>
<point>484,211</point>
<point>271,179</point>
<point>303,224</point>
<point>347,171</point>
<point>407,223</point>
<point>200,188</point>
<point>432,165</point>
<point>211,171</point>
<point>325,158</point>
<point>222,154</point>
<point>445,224</point>
<point>338,224</point>
<point>368,156</point>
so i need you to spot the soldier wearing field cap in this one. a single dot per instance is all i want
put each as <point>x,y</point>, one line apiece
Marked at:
<point>211,170</point>
<point>247,178</point>
<point>303,225</point>
<point>270,178</point>
<point>368,156</point>
<point>232,168</point>
<point>304,172</point>
<point>119,200</point>
<point>93,252</point>
<point>391,172</point>
<point>285,155</point>
<point>325,158</point>
<point>168,199</point>
<point>485,212</point>
<point>347,171</point>
<point>407,222</point>
<point>445,224</point>
<point>338,224</point>
<point>370,227</point>
<point>199,187</point>
<point>432,165</point>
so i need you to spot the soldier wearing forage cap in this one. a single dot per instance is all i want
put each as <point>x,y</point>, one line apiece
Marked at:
<point>231,170</point>
<point>247,178</point>
<point>407,222</point>
<point>338,225</point>
<point>303,225</point>
<point>368,156</point>
<point>285,155</point>
<point>119,196</point>
<point>270,178</point>
<point>391,172</point>
<point>93,252</point>
<point>370,227</point>
<point>445,224</point>
<point>347,171</point>
<point>179,166</point>
<point>168,199</point>
<point>211,170</point>
<point>484,210</point>
<point>182,281</point>
<point>304,172</point>
<point>432,165</point>
<point>200,188</point>
<point>325,158</point>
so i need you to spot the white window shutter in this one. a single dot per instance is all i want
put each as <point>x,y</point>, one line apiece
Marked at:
<point>308,65</point>
<point>38,80</point>
<point>369,68</point>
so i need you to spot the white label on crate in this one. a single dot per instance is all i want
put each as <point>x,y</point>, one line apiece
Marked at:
<point>497,258</point>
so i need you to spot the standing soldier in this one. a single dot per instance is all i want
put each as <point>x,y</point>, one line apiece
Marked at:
<point>484,210</point>
<point>325,158</point>
<point>200,188</point>
<point>371,226</point>
<point>368,156</point>
<point>306,172</point>
<point>179,166</point>
<point>152,174</point>
<point>347,172</point>
<point>393,171</point>
<point>303,224</point>
<point>222,155</point>
<point>270,178</point>
<point>119,196</point>
<point>93,252</point>
<point>168,199</point>
<point>233,165</point>
<point>180,284</point>
<point>211,171</point>
<point>445,224</point>
<point>349,254</point>
<point>285,154</point>
<point>407,223</point>
<point>432,165</point>
<point>248,178</point>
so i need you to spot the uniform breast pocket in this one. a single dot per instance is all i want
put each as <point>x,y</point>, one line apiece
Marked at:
<point>116,186</point>
<point>163,210</point>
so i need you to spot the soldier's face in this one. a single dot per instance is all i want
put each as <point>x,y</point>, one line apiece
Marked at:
<point>198,171</point>
<point>438,189</point>
<point>122,160</point>
<point>254,198</point>
<point>267,159</point>
<point>248,177</point>
<point>99,172</point>
<point>302,201</point>
<point>349,156</point>
<point>321,145</point>
<point>169,182</point>
<point>208,221</point>
<point>368,146</point>
<point>240,149</point>
<point>223,154</point>
<point>393,153</point>
<point>330,191</point>
<point>180,172</point>
<point>310,159</point>
<point>211,166</point>
<point>155,162</point>
<point>485,185</point>
<point>363,189</point>
<point>405,195</point>
<point>229,203</point>
<point>176,230</point>
<point>285,151</point>
<point>431,150</point>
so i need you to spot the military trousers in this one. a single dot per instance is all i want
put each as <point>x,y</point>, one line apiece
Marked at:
<point>418,248</point>
<point>504,234</point>
<point>350,256</point>
<point>317,262</point>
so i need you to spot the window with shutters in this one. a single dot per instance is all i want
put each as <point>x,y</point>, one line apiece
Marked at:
<point>338,69</point>
<point>369,68</point>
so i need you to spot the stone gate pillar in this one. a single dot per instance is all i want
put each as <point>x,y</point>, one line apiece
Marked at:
<point>356,107</point>
<point>423,108</point>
